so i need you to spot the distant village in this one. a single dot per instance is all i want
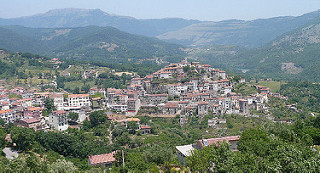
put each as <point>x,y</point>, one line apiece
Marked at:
<point>165,93</point>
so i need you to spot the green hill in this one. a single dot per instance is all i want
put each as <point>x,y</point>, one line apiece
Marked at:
<point>293,56</point>
<point>250,34</point>
<point>88,43</point>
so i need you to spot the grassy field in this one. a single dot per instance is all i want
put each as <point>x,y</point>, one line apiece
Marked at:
<point>273,85</point>
<point>79,84</point>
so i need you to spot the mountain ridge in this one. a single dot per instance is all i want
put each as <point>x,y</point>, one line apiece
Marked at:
<point>249,34</point>
<point>89,43</point>
<point>74,17</point>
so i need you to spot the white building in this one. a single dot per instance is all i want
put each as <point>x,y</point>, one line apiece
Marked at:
<point>58,120</point>
<point>9,115</point>
<point>58,100</point>
<point>119,107</point>
<point>79,100</point>
<point>177,89</point>
<point>165,75</point>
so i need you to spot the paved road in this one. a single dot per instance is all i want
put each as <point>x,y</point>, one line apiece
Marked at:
<point>10,154</point>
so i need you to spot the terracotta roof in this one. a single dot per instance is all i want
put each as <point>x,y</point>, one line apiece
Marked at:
<point>171,105</point>
<point>224,80</point>
<point>243,100</point>
<point>78,95</point>
<point>56,95</point>
<point>97,98</point>
<point>5,111</point>
<point>26,99</point>
<point>189,107</point>
<point>157,95</point>
<point>183,102</point>
<point>202,103</point>
<point>102,158</point>
<point>216,140</point>
<point>15,104</point>
<point>30,120</point>
<point>13,99</point>
<point>145,127</point>
<point>34,108</point>
<point>59,112</point>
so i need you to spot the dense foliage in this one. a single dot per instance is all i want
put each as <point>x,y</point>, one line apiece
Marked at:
<point>305,94</point>
<point>91,42</point>
<point>270,148</point>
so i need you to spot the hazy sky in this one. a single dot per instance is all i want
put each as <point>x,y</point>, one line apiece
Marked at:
<point>213,10</point>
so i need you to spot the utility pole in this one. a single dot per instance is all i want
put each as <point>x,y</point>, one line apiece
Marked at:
<point>123,159</point>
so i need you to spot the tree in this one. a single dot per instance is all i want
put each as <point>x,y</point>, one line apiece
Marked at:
<point>62,166</point>
<point>98,117</point>
<point>186,68</point>
<point>3,135</point>
<point>85,88</point>
<point>132,126</point>
<point>211,159</point>
<point>73,116</point>
<point>2,122</point>
<point>76,90</point>
<point>118,131</point>
<point>23,137</point>
<point>49,105</point>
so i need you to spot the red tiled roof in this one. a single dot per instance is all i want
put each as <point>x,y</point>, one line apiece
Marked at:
<point>59,112</point>
<point>5,111</point>
<point>216,140</point>
<point>202,103</point>
<point>30,120</point>
<point>34,108</point>
<point>78,95</point>
<point>171,105</point>
<point>145,127</point>
<point>243,100</point>
<point>157,95</point>
<point>183,102</point>
<point>102,158</point>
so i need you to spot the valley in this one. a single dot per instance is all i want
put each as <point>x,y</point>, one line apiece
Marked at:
<point>82,90</point>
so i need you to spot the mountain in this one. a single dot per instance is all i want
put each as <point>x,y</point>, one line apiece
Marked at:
<point>89,43</point>
<point>70,17</point>
<point>21,42</point>
<point>294,55</point>
<point>248,34</point>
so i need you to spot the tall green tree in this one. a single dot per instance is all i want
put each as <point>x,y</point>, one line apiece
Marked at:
<point>49,105</point>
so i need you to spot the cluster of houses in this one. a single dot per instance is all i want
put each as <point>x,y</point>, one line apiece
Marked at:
<point>173,91</point>
<point>24,108</point>
<point>185,89</point>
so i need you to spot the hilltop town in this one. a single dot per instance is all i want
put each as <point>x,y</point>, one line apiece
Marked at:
<point>185,95</point>
<point>182,89</point>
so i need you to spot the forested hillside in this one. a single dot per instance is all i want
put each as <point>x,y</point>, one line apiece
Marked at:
<point>89,43</point>
<point>249,34</point>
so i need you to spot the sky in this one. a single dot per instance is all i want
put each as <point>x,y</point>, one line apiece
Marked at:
<point>207,10</point>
